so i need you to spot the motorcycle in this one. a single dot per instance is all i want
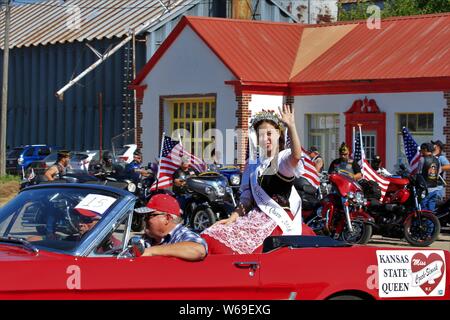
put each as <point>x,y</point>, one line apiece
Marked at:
<point>233,175</point>
<point>210,199</point>
<point>340,213</point>
<point>400,215</point>
<point>140,187</point>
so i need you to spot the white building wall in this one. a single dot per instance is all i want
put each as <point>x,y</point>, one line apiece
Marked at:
<point>185,72</point>
<point>391,103</point>
<point>266,102</point>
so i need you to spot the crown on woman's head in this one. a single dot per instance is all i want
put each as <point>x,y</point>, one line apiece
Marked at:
<point>266,115</point>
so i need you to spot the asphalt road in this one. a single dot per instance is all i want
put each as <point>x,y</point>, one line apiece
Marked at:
<point>443,241</point>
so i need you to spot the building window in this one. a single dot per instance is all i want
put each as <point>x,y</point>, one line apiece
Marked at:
<point>323,133</point>
<point>196,116</point>
<point>420,125</point>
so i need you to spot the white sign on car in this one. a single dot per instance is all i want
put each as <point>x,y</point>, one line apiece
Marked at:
<point>411,273</point>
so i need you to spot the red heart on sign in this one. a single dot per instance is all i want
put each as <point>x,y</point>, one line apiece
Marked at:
<point>419,262</point>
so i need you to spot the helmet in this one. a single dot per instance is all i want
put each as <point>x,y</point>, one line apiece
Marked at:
<point>343,148</point>
<point>376,160</point>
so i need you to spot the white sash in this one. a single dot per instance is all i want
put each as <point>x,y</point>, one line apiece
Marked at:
<point>269,206</point>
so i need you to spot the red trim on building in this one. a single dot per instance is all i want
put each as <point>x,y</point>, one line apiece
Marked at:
<point>139,90</point>
<point>372,86</point>
<point>367,113</point>
<point>344,87</point>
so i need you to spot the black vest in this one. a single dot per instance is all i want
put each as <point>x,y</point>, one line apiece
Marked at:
<point>277,186</point>
<point>430,171</point>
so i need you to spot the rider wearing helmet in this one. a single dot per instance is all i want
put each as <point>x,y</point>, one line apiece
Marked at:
<point>107,161</point>
<point>344,164</point>
<point>376,165</point>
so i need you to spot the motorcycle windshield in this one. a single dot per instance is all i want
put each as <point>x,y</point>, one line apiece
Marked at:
<point>344,184</point>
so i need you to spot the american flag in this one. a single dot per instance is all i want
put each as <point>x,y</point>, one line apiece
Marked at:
<point>311,173</point>
<point>172,152</point>
<point>366,169</point>
<point>411,150</point>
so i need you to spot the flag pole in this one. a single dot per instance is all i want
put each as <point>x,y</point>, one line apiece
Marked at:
<point>160,156</point>
<point>353,142</point>
<point>363,154</point>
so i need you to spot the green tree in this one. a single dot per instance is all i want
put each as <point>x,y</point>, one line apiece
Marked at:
<point>394,8</point>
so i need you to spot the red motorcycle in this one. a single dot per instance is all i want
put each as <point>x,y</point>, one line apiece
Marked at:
<point>341,212</point>
<point>400,215</point>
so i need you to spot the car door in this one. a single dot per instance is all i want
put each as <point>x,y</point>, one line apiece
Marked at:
<point>217,277</point>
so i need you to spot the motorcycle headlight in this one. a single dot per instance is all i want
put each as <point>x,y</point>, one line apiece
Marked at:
<point>139,185</point>
<point>209,190</point>
<point>131,187</point>
<point>359,197</point>
<point>235,179</point>
<point>20,161</point>
<point>351,195</point>
<point>220,191</point>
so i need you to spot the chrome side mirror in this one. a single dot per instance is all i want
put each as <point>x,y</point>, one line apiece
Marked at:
<point>137,246</point>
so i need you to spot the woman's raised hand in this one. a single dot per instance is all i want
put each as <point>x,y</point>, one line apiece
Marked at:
<point>287,115</point>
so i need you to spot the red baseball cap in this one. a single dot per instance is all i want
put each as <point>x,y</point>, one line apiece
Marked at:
<point>88,213</point>
<point>163,203</point>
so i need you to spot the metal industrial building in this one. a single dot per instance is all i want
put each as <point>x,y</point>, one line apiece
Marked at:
<point>48,48</point>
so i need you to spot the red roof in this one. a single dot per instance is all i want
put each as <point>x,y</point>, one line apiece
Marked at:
<point>257,51</point>
<point>295,54</point>
<point>415,47</point>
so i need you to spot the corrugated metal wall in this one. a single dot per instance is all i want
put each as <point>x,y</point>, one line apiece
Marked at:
<point>35,115</point>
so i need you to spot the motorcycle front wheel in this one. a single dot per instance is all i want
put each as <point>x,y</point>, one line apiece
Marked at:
<point>421,232</point>
<point>202,218</point>
<point>362,232</point>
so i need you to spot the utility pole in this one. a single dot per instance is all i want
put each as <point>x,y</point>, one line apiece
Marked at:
<point>309,11</point>
<point>4,112</point>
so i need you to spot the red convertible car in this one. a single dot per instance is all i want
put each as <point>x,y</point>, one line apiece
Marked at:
<point>51,248</point>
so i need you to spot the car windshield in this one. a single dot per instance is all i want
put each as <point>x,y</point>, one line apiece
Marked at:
<point>55,218</point>
<point>15,153</point>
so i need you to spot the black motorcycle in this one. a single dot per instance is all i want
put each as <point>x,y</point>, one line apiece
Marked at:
<point>210,199</point>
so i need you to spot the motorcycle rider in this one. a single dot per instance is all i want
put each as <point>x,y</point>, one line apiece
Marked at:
<point>376,165</point>
<point>344,164</point>
<point>316,158</point>
<point>134,170</point>
<point>60,167</point>
<point>445,164</point>
<point>179,180</point>
<point>429,169</point>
